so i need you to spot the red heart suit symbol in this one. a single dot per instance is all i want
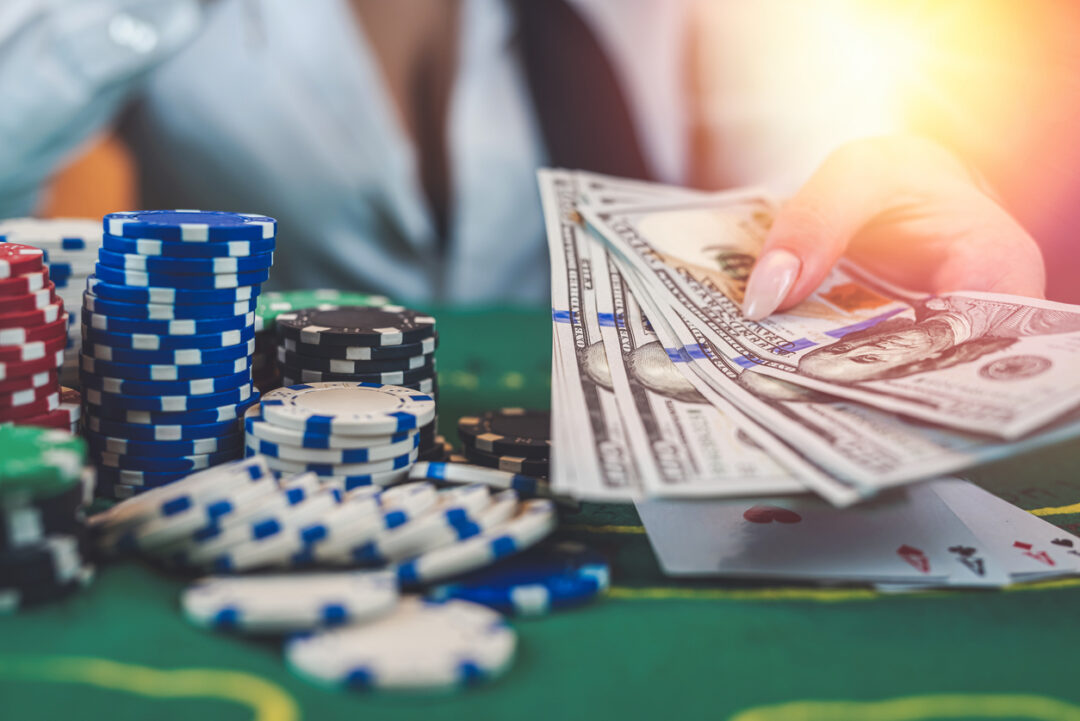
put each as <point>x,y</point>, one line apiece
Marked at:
<point>768,514</point>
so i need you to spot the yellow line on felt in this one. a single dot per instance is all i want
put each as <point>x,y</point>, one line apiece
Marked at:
<point>268,701</point>
<point>917,708</point>
<point>1056,511</point>
<point>634,530</point>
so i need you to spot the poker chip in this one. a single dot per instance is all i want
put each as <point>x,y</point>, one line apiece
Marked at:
<point>179,356</point>
<point>534,520</point>
<point>510,464</point>
<point>190,226</point>
<point>21,369</point>
<point>179,249</point>
<point>271,305</point>
<point>418,646</point>
<point>181,327</point>
<point>338,469</point>
<point>540,580</point>
<point>168,404</point>
<point>33,350</point>
<point>40,406</point>
<point>393,378</point>
<point>348,408</point>
<point>21,336</point>
<point>151,342</point>
<point>192,282</point>
<point>65,416</point>
<point>28,521</point>
<point>166,311</point>
<point>333,455</point>
<point>137,372</point>
<point>159,464</point>
<point>31,318</point>
<point>363,353</point>
<point>35,300</point>
<point>28,396</point>
<point>195,387</point>
<point>17,259</point>
<point>161,432</point>
<point>202,266</point>
<point>69,234</point>
<point>365,480</point>
<point>37,380</point>
<point>164,449</point>
<point>228,412</point>
<point>508,431</point>
<point>459,472</point>
<point>356,325</point>
<point>24,284</point>
<point>256,425</point>
<point>39,462</point>
<point>337,365</point>
<point>280,604</point>
<point>112,286</point>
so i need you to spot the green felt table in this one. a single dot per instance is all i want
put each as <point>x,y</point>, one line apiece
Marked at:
<point>654,648</point>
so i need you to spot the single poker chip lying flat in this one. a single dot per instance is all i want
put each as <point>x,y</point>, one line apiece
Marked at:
<point>391,378</point>
<point>533,522</point>
<point>348,408</point>
<point>286,603</point>
<point>543,579</point>
<point>35,300</point>
<point>66,233</point>
<point>208,266</point>
<point>25,397</point>
<point>180,356</point>
<point>163,372</point>
<point>153,342</point>
<point>166,311</point>
<point>113,286</point>
<point>168,404</point>
<point>17,259</point>
<point>256,425</point>
<point>37,380</point>
<point>428,386</point>
<point>163,449</point>
<point>158,464</point>
<point>21,336</point>
<point>64,417</point>
<point>192,282</point>
<point>179,249</point>
<point>39,462</point>
<point>41,406</point>
<point>190,226</point>
<point>418,646</point>
<point>387,325</point>
<point>510,464</point>
<point>337,365</point>
<point>32,318</point>
<point>20,369</point>
<point>363,353</point>
<point>23,284</point>
<point>32,351</point>
<point>509,432</point>
<point>183,327</point>
<point>333,455</point>
<point>337,469</point>
<point>197,387</point>
<point>136,432</point>
<point>228,412</point>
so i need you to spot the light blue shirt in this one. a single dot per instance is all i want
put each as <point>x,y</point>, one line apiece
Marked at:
<point>278,107</point>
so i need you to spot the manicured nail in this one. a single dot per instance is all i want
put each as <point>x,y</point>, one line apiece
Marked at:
<point>772,278</point>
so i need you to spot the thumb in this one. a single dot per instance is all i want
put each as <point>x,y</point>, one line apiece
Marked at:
<point>813,229</point>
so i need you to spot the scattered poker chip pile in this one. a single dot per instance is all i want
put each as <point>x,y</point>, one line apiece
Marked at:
<point>168,328</point>
<point>351,434</point>
<point>264,365</point>
<point>70,246</point>
<point>386,344</point>
<point>44,542</point>
<point>400,585</point>
<point>33,335</point>
<point>511,439</point>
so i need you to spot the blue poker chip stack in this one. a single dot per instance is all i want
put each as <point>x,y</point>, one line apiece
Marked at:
<point>168,329</point>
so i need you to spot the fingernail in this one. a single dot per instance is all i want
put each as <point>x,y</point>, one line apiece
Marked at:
<point>772,278</point>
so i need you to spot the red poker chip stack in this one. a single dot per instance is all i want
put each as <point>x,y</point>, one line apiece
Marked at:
<point>33,335</point>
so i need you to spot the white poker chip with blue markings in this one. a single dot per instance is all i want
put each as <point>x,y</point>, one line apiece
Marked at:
<point>348,408</point>
<point>150,310</point>
<point>534,520</point>
<point>190,282</point>
<point>349,483</point>
<point>287,603</point>
<point>152,342</point>
<point>190,226</point>
<point>182,327</point>
<point>195,387</point>
<point>72,234</point>
<point>161,432</point>
<point>180,249</point>
<point>228,412</point>
<point>164,372</point>
<point>334,455</point>
<point>178,356</point>
<point>398,505</point>
<point>208,266</point>
<point>170,295</point>
<point>418,646</point>
<point>337,469</point>
<point>167,404</point>
<point>256,425</point>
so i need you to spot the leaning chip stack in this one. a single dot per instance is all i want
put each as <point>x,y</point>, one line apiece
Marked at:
<point>33,335</point>
<point>264,365</point>
<point>168,328</point>
<point>43,535</point>
<point>387,344</point>
<point>514,440</point>
<point>349,434</point>
<point>70,246</point>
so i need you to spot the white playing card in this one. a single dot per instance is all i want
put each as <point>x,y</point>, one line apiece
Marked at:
<point>1027,547</point>
<point>904,537</point>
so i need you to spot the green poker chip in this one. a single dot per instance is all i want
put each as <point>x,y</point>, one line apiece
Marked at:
<point>39,462</point>
<point>271,305</point>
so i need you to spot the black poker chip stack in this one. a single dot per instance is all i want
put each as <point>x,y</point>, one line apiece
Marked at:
<point>516,440</point>
<point>388,345</point>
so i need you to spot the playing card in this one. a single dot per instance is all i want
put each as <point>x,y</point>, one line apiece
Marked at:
<point>1027,547</point>
<point>906,537</point>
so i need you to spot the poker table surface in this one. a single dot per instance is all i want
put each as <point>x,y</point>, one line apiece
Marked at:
<point>653,648</point>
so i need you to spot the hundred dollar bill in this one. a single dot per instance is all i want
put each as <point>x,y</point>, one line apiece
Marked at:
<point>980,363</point>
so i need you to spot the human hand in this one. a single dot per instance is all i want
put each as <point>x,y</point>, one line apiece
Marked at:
<point>905,209</point>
